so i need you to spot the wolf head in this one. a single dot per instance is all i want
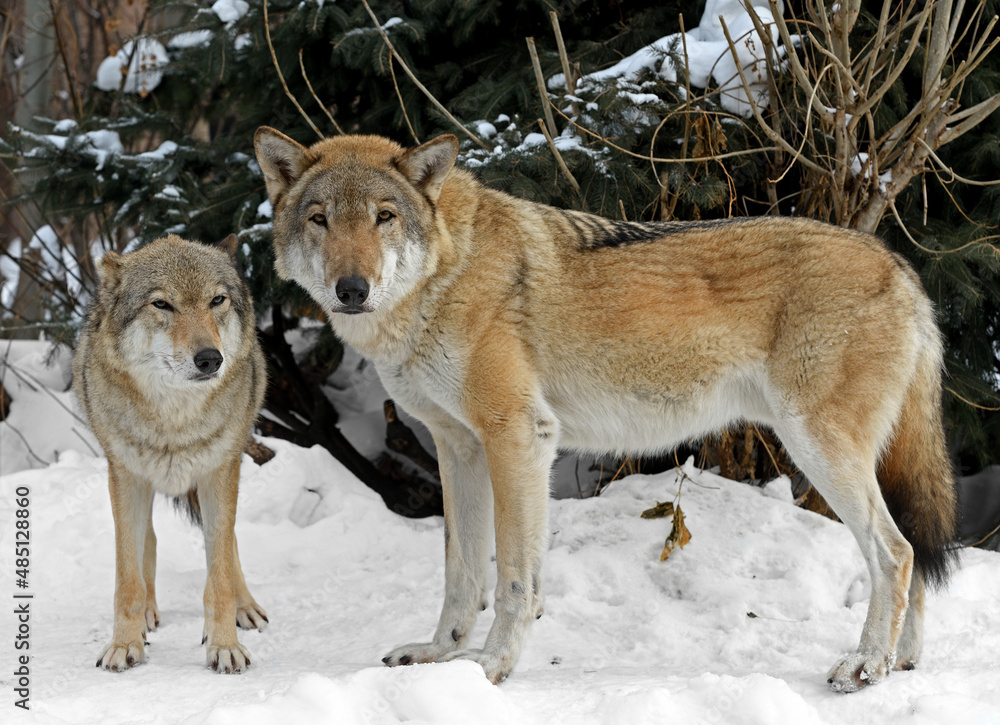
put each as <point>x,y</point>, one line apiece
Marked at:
<point>178,312</point>
<point>353,215</point>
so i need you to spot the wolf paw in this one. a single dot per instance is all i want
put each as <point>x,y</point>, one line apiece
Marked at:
<point>858,670</point>
<point>251,616</point>
<point>416,653</point>
<point>495,669</point>
<point>120,656</point>
<point>228,660</point>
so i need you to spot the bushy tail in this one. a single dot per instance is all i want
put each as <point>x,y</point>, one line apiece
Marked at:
<point>189,506</point>
<point>917,477</point>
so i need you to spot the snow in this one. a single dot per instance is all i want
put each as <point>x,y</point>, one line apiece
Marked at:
<point>145,71</point>
<point>624,639</point>
<point>65,125</point>
<point>161,152</point>
<point>57,261</point>
<point>10,273</point>
<point>485,129</point>
<point>390,23</point>
<point>264,209</point>
<point>99,145</point>
<point>190,39</point>
<point>229,11</point>
<point>169,193</point>
<point>104,143</point>
<point>709,58</point>
<point>533,139</point>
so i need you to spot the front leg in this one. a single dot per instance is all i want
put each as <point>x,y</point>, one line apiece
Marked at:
<point>217,494</point>
<point>131,499</point>
<point>468,508</point>
<point>520,454</point>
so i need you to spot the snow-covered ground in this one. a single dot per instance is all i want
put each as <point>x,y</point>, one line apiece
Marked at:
<point>740,626</point>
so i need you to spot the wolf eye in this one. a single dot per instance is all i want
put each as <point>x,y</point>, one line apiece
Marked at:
<point>318,219</point>
<point>384,216</point>
<point>163,305</point>
<point>217,300</point>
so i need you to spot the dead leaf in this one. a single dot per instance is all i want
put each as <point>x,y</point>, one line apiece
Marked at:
<point>679,535</point>
<point>659,511</point>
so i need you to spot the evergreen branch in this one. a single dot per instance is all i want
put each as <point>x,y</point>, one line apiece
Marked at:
<point>657,159</point>
<point>281,77</point>
<point>437,104</point>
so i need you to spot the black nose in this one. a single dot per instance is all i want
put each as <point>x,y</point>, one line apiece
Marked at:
<point>208,360</point>
<point>352,292</point>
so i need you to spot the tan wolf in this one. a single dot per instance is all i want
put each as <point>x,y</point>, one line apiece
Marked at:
<point>171,377</point>
<point>512,329</point>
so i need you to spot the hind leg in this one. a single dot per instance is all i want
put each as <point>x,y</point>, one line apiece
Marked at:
<point>249,614</point>
<point>911,641</point>
<point>846,479</point>
<point>149,574</point>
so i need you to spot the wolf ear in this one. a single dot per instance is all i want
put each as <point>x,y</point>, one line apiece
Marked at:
<point>427,165</point>
<point>281,159</point>
<point>228,245</point>
<point>109,270</point>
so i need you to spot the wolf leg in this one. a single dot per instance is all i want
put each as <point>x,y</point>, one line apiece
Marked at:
<point>911,641</point>
<point>249,614</point>
<point>846,478</point>
<point>467,513</point>
<point>149,573</point>
<point>217,494</point>
<point>130,504</point>
<point>520,457</point>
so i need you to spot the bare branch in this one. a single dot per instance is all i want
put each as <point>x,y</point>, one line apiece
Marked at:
<point>564,60</point>
<point>975,116</point>
<point>281,77</point>
<point>768,131</point>
<point>559,159</point>
<point>315,97</point>
<point>798,72</point>
<point>937,48</point>
<point>540,80</point>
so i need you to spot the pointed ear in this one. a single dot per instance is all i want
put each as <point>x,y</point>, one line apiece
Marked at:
<point>427,165</point>
<point>229,245</point>
<point>109,270</point>
<point>281,159</point>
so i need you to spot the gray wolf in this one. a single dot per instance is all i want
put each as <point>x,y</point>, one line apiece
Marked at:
<point>170,376</point>
<point>512,329</point>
